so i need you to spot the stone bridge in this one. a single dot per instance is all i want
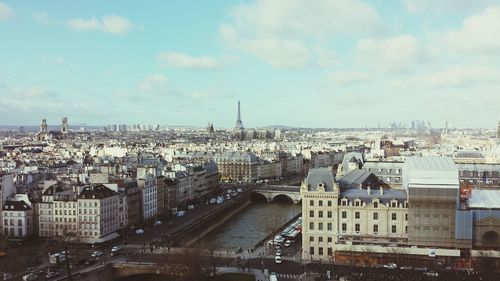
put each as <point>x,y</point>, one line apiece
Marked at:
<point>278,192</point>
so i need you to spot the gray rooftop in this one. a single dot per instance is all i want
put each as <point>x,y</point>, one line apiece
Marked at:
<point>430,163</point>
<point>320,175</point>
<point>388,194</point>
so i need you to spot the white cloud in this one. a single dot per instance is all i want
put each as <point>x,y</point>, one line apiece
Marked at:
<point>154,85</point>
<point>346,77</point>
<point>326,57</point>
<point>180,60</point>
<point>5,12</point>
<point>462,76</point>
<point>43,18</point>
<point>480,33</point>
<point>60,61</point>
<point>110,24</point>
<point>395,54</point>
<point>445,6</point>
<point>275,31</point>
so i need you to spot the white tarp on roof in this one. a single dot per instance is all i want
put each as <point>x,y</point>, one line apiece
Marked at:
<point>440,172</point>
<point>485,199</point>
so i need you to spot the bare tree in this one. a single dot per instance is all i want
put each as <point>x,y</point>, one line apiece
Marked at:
<point>486,265</point>
<point>65,242</point>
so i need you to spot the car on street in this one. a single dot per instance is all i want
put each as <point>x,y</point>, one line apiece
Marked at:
<point>52,274</point>
<point>288,243</point>
<point>391,266</point>
<point>278,252</point>
<point>278,259</point>
<point>96,254</point>
<point>157,223</point>
<point>139,231</point>
<point>115,250</point>
<point>406,267</point>
<point>431,274</point>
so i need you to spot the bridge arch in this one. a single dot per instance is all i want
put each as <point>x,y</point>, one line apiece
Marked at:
<point>283,198</point>
<point>258,197</point>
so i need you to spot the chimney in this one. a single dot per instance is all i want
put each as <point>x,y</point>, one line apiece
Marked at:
<point>381,191</point>
<point>369,189</point>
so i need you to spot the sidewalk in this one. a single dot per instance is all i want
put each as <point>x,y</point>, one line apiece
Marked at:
<point>259,275</point>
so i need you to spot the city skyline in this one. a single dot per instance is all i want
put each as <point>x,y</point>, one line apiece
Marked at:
<point>188,63</point>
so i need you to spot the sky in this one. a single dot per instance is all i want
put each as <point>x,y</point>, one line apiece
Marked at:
<point>304,63</point>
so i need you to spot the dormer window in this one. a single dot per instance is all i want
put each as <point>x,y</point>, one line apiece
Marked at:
<point>394,204</point>
<point>357,202</point>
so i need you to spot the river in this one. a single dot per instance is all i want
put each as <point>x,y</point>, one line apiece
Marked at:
<point>251,225</point>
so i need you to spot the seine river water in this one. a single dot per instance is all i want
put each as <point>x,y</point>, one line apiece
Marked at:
<point>251,225</point>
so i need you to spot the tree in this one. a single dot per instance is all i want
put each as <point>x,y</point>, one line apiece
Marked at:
<point>486,265</point>
<point>65,241</point>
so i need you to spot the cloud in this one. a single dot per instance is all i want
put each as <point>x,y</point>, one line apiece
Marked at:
<point>276,31</point>
<point>457,76</point>
<point>326,58</point>
<point>445,6</point>
<point>395,54</point>
<point>60,61</point>
<point>480,34</point>
<point>346,77</point>
<point>154,85</point>
<point>180,60</point>
<point>43,18</point>
<point>112,24</point>
<point>5,12</point>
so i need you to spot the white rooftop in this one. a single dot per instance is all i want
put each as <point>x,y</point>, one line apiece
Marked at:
<point>430,172</point>
<point>485,199</point>
<point>430,163</point>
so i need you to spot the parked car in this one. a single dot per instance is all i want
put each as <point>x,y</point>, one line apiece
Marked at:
<point>391,266</point>
<point>96,254</point>
<point>288,243</point>
<point>431,273</point>
<point>157,223</point>
<point>139,231</point>
<point>52,274</point>
<point>278,259</point>
<point>407,267</point>
<point>115,250</point>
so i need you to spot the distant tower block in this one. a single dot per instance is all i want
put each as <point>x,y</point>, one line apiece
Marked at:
<point>43,126</point>
<point>498,133</point>
<point>64,126</point>
<point>239,123</point>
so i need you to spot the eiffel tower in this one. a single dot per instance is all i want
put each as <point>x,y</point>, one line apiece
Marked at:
<point>239,123</point>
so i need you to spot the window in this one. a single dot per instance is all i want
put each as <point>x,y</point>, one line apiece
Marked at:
<point>357,227</point>
<point>320,250</point>
<point>329,226</point>
<point>311,202</point>
<point>406,229</point>
<point>311,238</point>
<point>375,216</point>
<point>320,226</point>
<point>320,239</point>
<point>329,203</point>
<point>394,229</point>
<point>329,239</point>
<point>394,216</point>
<point>311,214</point>
<point>394,204</point>
<point>311,250</point>
<point>344,227</point>
<point>329,214</point>
<point>320,214</point>
<point>356,203</point>
<point>311,225</point>
<point>344,214</point>
<point>375,204</point>
<point>356,215</point>
<point>406,217</point>
<point>320,203</point>
<point>375,228</point>
<point>329,251</point>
